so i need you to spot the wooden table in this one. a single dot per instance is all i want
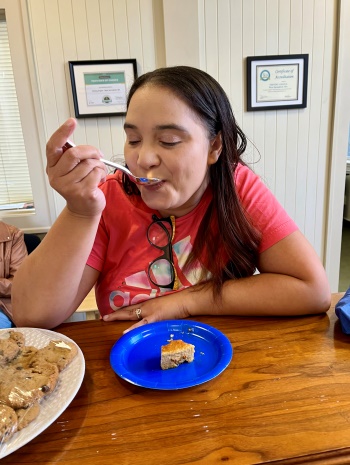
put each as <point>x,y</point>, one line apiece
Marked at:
<point>285,398</point>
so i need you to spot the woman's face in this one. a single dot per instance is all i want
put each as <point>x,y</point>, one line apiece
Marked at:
<point>165,139</point>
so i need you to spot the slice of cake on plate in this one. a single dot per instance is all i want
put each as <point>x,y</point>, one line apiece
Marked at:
<point>175,353</point>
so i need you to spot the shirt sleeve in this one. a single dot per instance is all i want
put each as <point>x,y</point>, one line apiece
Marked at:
<point>262,207</point>
<point>97,255</point>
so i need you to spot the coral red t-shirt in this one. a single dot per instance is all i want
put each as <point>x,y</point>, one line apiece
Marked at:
<point>122,252</point>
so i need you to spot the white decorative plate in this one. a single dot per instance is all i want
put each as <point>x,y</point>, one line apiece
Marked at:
<point>54,404</point>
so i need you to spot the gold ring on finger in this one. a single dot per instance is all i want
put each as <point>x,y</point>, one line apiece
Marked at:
<point>138,313</point>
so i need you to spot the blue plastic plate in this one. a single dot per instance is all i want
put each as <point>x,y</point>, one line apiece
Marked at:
<point>135,357</point>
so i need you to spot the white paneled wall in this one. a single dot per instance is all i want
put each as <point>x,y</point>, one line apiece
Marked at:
<point>69,30</point>
<point>289,148</point>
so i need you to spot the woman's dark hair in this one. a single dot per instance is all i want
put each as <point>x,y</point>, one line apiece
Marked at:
<point>226,237</point>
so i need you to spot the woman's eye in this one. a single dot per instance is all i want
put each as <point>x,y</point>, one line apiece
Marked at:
<point>133,142</point>
<point>169,144</point>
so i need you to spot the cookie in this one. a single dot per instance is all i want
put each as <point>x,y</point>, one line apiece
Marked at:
<point>8,351</point>
<point>17,337</point>
<point>61,353</point>
<point>8,423</point>
<point>27,375</point>
<point>21,387</point>
<point>27,415</point>
<point>10,346</point>
<point>24,357</point>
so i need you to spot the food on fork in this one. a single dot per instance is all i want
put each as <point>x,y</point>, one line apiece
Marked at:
<point>175,353</point>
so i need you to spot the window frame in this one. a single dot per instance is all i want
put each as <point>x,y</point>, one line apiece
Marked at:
<point>41,218</point>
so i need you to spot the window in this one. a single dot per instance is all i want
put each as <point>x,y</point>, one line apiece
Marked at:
<point>15,186</point>
<point>23,180</point>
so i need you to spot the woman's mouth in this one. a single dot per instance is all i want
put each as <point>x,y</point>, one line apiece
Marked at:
<point>154,187</point>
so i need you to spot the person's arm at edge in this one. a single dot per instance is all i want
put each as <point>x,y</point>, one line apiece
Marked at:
<point>54,279</point>
<point>18,254</point>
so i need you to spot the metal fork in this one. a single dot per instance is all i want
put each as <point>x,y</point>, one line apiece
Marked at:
<point>133,178</point>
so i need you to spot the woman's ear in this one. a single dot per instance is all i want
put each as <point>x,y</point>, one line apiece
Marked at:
<point>215,149</point>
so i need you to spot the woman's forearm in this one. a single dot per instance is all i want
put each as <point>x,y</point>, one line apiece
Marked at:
<point>266,294</point>
<point>48,280</point>
<point>292,281</point>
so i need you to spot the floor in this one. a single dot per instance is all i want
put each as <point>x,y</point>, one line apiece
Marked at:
<point>344,273</point>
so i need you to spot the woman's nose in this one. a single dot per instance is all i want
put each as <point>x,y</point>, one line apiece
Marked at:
<point>147,157</point>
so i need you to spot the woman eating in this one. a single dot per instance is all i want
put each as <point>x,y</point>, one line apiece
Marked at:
<point>209,238</point>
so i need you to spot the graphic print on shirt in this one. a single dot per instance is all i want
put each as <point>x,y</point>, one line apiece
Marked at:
<point>140,280</point>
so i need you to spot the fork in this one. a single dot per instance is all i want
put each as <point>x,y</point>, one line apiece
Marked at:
<point>132,177</point>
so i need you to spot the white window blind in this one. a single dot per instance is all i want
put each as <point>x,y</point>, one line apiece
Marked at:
<point>15,186</point>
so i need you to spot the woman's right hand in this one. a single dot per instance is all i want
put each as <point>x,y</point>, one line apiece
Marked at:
<point>75,173</point>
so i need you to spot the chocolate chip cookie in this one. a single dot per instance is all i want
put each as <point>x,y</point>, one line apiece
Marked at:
<point>8,423</point>
<point>21,387</point>
<point>60,353</point>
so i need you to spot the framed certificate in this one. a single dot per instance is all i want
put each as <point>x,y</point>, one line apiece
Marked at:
<point>100,88</point>
<point>277,82</point>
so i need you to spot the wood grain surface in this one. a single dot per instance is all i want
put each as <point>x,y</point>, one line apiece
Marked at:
<point>285,398</point>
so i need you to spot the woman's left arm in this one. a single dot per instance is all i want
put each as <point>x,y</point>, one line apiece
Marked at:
<point>291,281</point>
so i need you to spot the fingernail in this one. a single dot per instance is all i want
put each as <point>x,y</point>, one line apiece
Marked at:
<point>106,318</point>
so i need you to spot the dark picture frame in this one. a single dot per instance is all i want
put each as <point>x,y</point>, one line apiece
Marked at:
<point>277,82</point>
<point>100,87</point>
